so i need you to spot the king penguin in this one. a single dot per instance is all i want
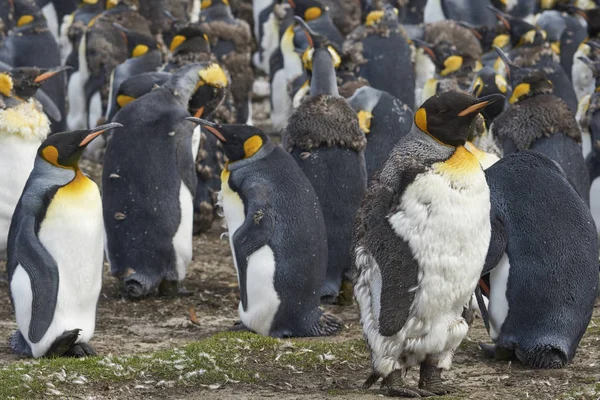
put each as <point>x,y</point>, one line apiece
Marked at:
<point>277,235</point>
<point>424,220</point>
<point>23,127</point>
<point>55,251</point>
<point>148,207</point>
<point>324,138</point>
<point>543,258</point>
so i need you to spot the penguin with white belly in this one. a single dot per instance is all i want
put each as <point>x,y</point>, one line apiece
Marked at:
<point>55,251</point>
<point>421,238</point>
<point>148,207</point>
<point>23,127</point>
<point>277,235</point>
<point>543,258</point>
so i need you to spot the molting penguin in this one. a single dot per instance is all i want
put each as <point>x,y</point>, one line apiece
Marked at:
<point>324,138</point>
<point>277,235</point>
<point>380,49</point>
<point>474,12</point>
<point>538,120</point>
<point>149,222</point>
<point>384,120</point>
<point>424,220</point>
<point>23,127</point>
<point>346,15</point>
<point>543,258</point>
<point>55,251</point>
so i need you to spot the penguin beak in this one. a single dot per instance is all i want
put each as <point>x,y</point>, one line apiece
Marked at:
<point>292,4</point>
<point>210,126</point>
<point>504,58</point>
<point>50,73</point>
<point>500,15</point>
<point>97,131</point>
<point>480,104</point>
<point>307,31</point>
<point>426,48</point>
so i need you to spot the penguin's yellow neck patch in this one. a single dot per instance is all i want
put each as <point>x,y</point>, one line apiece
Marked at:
<point>176,42</point>
<point>225,174</point>
<point>501,40</point>
<point>312,13</point>
<point>252,145</point>
<point>25,20</point>
<point>214,76</point>
<point>205,4</point>
<point>500,83</point>
<point>78,186</point>
<point>139,50</point>
<point>451,64</point>
<point>111,3</point>
<point>461,163</point>
<point>123,100</point>
<point>373,18</point>
<point>556,47</point>
<point>26,120</point>
<point>479,85</point>
<point>364,121</point>
<point>521,90</point>
<point>91,2</point>
<point>6,84</point>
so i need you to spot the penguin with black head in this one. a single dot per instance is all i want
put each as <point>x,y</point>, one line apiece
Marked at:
<point>538,120</point>
<point>148,207</point>
<point>486,82</point>
<point>317,16</point>
<point>324,138</point>
<point>56,251</point>
<point>277,235</point>
<point>543,258</point>
<point>425,219</point>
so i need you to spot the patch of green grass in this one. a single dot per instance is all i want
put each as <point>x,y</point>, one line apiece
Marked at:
<point>232,356</point>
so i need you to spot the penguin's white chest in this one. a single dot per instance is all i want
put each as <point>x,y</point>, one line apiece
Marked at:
<point>73,233</point>
<point>444,216</point>
<point>263,300</point>
<point>433,11</point>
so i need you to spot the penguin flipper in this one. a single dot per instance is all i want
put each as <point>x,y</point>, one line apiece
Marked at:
<point>498,243</point>
<point>255,232</point>
<point>186,165</point>
<point>42,270</point>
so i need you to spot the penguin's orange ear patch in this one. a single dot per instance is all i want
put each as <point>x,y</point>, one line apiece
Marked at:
<point>6,84</point>
<point>421,119</point>
<point>50,154</point>
<point>139,50</point>
<point>176,42</point>
<point>312,13</point>
<point>205,4</point>
<point>123,100</point>
<point>252,145</point>
<point>24,20</point>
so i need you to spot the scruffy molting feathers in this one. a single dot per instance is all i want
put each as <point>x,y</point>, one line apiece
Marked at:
<point>346,15</point>
<point>324,121</point>
<point>452,33</point>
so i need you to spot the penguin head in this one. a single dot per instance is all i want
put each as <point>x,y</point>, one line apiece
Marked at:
<point>487,81</point>
<point>206,4</point>
<point>318,45</point>
<point>64,149</point>
<point>521,32</point>
<point>525,82</point>
<point>102,4</point>
<point>239,141</point>
<point>23,82</point>
<point>27,14</point>
<point>448,59</point>
<point>594,66</point>
<point>447,117</point>
<point>190,39</point>
<point>135,87</point>
<point>488,36</point>
<point>138,44</point>
<point>388,16</point>
<point>308,10</point>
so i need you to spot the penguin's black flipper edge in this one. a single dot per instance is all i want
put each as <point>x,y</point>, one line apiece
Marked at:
<point>43,273</point>
<point>186,164</point>
<point>498,243</point>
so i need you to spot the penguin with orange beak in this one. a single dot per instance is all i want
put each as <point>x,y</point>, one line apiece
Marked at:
<point>56,251</point>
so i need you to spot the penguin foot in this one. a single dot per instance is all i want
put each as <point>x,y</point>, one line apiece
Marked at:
<point>80,350</point>
<point>499,353</point>
<point>329,292</point>
<point>430,379</point>
<point>63,343</point>
<point>371,379</point>
<point>393,386</point>
<point>172,289</point>
<point>327,325</point>
<point>407,392</point>
<point>346,294</point>
<point>489,350</point>
<point>239,326</point>
<point>132,289</point>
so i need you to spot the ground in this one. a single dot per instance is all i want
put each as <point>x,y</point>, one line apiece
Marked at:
<point>152,349</point>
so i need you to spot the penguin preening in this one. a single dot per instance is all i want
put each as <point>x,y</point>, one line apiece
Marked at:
<point>538,120</point>
<point>543,258</point>
<point>23,127</point>
<point>55,251</point>
<point>277,235</point>
<point>424,219</point>
<point>149,223</point>
<point>324,138</point>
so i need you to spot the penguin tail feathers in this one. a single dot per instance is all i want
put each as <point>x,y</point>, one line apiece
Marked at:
<point>543,357</point>
<point>18,343</point>
<point>327,325</point>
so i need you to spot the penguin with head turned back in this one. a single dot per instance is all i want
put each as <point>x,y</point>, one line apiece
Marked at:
<point>277,235</point>
<point>148,207</point>
<point>324,138</point>
<point>23,127</point>
<point>55,251</point>
<point>486,82</point>
<point>424,220</point>
<point>538,120</point>
<point>543,258</point>
<point>384,120</point>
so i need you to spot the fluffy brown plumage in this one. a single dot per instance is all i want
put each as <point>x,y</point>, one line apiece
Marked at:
<point>346,14</point>
<point>450,32</point>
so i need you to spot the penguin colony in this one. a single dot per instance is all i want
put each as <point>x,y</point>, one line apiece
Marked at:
<point>428,158</point>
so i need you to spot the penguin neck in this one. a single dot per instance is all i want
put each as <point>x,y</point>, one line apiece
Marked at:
<point>266,149</point>
<point>323,79</point>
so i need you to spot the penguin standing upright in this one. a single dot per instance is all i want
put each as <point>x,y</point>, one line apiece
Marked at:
<point>277,235</point>
<point>324,138</point>
<point>487,82</point>
<point>384,120</point>
<point>538,120</point>
<point>543,259</point>
<point>475,12</point>
<point>424,220</point>
<point>23,127</point>
<point>378,50</point>
<point>55,251</point>
<point>148,207</point>
<point>317,16</point>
